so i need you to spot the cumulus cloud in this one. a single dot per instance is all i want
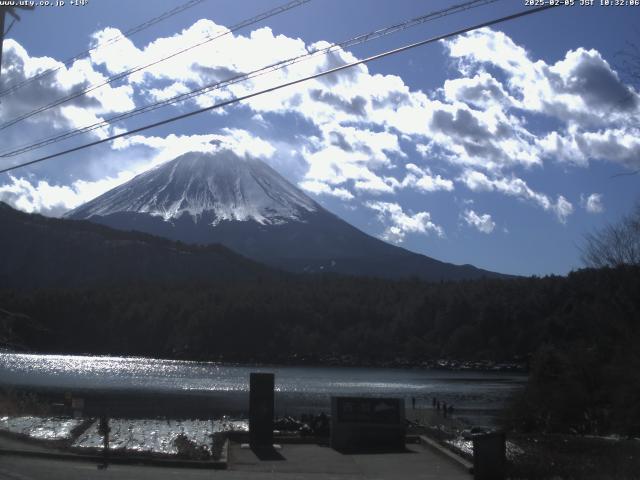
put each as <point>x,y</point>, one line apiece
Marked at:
<point>54,200</point>
<point>490,139</point>
<point>399,223</point>
<point>335,167</point>
<point>320,188</point>
<point>241,142</point>
<point>423,180</point>
<point>592,203</point>
<point>598,112</point>
<point>480,91</point>
<point>18,65</point>
<point>516,187</point>
<point>581,87</point>
<point>482,222</point>
<point>621,145</point>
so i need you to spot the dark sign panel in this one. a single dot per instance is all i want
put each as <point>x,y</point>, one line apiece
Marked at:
<point>367,424</point>
<point>368,410</point>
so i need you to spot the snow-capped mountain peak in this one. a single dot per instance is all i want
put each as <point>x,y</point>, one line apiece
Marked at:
<point>219,186</point>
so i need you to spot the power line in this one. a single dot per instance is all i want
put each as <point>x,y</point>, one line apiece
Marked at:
<point>284,85</point>
<point>126,73</point>
<point>359,39</point>
<point>85,53</point>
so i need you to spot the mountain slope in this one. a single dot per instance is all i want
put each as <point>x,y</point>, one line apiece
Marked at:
<point>37,251</point>
<point>247,206</point>
<point>219,187</point>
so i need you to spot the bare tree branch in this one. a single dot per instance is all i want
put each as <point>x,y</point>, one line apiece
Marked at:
<point>616,244</point>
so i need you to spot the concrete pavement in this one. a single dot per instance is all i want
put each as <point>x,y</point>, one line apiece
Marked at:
<point>25,468</point>
<point>303,462</point>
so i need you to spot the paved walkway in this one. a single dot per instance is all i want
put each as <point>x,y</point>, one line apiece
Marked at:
<point>24,468</point>
<point>313,461</point>
<point>303,462</point>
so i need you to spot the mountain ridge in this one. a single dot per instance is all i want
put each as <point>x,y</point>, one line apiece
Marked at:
<point>38,251</point>
<point>204,198</point>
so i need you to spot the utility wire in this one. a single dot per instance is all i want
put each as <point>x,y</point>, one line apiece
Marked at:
<point>126,73</point>
<point>284,85</point>
<point>359,39</point>
<point>85,53</point>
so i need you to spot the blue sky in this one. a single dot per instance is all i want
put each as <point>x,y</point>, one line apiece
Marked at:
<point>496,148</point>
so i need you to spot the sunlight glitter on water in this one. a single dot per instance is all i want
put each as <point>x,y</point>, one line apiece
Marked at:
<point>297,387</point>
<point>92,372</point>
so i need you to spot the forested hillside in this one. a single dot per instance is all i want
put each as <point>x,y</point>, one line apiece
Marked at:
<point>373,319</point>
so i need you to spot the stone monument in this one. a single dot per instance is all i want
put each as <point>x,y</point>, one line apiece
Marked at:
<point>261,409</point>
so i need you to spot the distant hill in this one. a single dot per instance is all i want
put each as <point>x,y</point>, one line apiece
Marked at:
<point>37,251</point>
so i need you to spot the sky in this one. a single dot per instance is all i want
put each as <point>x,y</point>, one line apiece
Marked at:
<point>501,147</point>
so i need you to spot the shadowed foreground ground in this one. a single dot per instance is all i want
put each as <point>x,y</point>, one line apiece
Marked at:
<point>296,461</point>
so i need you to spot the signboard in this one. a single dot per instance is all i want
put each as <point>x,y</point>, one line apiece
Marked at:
<point>368,410</point>
<point>365,423</point>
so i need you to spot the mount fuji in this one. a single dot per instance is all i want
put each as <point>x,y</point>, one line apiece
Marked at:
<point>245,205</point>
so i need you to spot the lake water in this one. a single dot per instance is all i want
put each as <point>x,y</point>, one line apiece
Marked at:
<point>478,395</point>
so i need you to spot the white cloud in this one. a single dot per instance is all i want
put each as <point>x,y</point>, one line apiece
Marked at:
<point>54,200</point>
<point>334,166</point>
<point>598,113</point>
<point>373,147</point>
<point>620,145</point>
<point>473,127</point>
<point>241,142</point>
<point>516,187</point>
<point>562,208</point>
<point>320,188</point>
<point>483,222</point>
<point>582,87</point>
<point>490,139</point>
<point>66,80</point>
<point>402,223</point>
<point>481,91</point>
<point>423,180</point>
<point>592,203</point>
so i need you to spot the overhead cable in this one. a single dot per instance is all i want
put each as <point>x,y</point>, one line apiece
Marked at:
<point>387,53</point>
<point>359,39</point>
<point>117,38</point>
<point>126,73</point>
